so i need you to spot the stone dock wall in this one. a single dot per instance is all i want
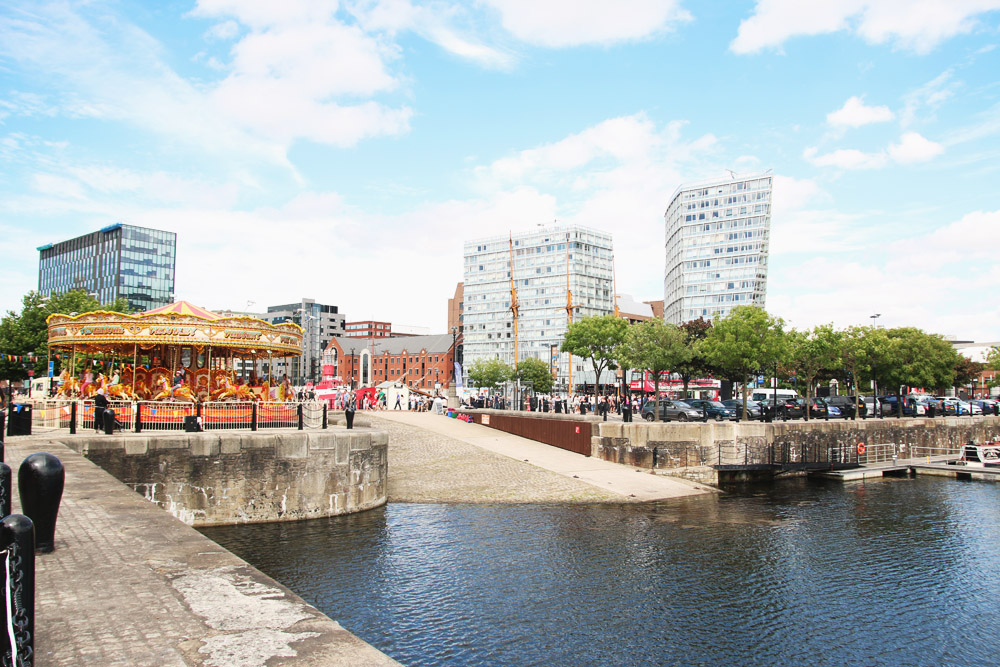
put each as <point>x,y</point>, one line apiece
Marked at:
<point>693,450</point>
<point>218,478</point>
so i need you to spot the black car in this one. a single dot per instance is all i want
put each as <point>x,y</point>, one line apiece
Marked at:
<point>791,408</point>
<point>669,410</point>
<point>716,409</point>
<point>820,408</point>
<point>848,405</point>
<point>753,408</point>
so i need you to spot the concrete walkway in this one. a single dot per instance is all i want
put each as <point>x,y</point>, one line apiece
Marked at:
<point>623,481</point>
<point>128,584</point>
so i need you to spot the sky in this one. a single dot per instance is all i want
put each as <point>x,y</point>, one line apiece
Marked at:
<point>344,151</point>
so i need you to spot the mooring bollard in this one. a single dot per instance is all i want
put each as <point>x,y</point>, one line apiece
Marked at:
<point>6,490</point>
<point>253,416</point>
<point>299,412</point>
<point>324,415</point>
<point>17,540</point>
<point>72,418</point>
<point>40,481</point>
<point>349,416</point>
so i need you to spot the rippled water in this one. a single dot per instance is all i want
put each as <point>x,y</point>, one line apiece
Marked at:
<point>895,572</point>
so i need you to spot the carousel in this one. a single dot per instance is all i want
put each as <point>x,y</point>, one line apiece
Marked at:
<point>174,353</point>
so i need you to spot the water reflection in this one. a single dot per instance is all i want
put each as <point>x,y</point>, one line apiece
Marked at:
<point>891,572</point>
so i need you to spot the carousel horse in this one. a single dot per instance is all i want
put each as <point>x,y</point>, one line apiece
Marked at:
<point>140,390</point>
<point>224,388</point>
<point>237,392</point>
<point>265,391</point>
<point>69,388</point>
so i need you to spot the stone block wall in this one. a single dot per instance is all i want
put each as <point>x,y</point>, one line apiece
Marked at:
<point>243,477</point>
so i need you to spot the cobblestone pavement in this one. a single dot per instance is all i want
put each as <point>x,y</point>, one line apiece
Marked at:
<point>426,467</point>
<point>128,584</point>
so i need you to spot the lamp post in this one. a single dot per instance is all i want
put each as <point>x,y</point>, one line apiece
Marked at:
<point>974,382</point>
<point>874,319</point>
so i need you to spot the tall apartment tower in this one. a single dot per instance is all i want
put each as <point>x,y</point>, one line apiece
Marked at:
<point>717,235</point>
<point>320,323</point>
<point>538,262</point>
<point>117,261</point>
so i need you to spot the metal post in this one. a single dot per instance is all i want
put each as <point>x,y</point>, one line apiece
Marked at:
<point>40,481</point>
<point>138,417</point>
<point>253,416</point>
<point>6,489</point>
<point>299,411</point>
<point>324,415</point>
<point>17,538</point>
<point>72,418</point>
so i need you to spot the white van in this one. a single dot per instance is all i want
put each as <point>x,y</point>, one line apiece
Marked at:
<point>39,387</point>
<point>767,394</point>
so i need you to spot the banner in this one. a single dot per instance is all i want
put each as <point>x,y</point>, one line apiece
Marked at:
<point>458,375</point>
<point>554,361</point>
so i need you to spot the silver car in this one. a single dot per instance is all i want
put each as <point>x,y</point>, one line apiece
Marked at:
<point>670,410</point>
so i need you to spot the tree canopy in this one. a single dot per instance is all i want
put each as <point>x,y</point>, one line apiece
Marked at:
<point>489,373</point>
<point>536,372</point>
<point>597,339</point>
<point>744,342</point>
<point>26,333</point>
<point>655,346</point>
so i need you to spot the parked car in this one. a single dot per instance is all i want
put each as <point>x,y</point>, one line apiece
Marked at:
<point>819,408</point>
<point>950,404</point>
<point>791,408</point>
<point>670,410</point>
<point>716,409</point>
<point>988,405</point>
<point>889,408</point>
<point>753,408</point>
<point>848,405</point>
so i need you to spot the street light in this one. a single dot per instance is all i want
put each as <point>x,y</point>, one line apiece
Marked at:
<point>874,319</point>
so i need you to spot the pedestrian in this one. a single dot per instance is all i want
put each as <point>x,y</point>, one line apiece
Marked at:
<point>100,407</point>
<point>398,406</point>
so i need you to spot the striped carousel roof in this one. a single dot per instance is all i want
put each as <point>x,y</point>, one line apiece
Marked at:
<point>183,308</point>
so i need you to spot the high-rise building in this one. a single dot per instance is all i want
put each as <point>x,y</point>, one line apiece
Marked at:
<point>544,266</point>
<point>118,261</point>
<point>717,235</point>
<point>319,324</point>
<point>456,308</point>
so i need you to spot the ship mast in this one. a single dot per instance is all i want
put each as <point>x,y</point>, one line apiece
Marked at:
<point>515,307</point>
<point>569,316</point>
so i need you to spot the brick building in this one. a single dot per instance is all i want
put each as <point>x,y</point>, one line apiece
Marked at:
<point>420,362</point>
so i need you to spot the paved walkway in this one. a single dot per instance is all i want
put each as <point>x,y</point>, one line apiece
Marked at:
<point>439,459</point>
<point>128,584</point>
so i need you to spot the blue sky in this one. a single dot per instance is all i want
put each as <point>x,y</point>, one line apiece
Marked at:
<point>343,151</point>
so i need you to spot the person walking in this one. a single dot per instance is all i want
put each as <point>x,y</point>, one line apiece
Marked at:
<point>100,407</point>
<point>398,406</point>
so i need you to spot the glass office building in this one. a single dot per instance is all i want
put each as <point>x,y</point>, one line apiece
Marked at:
<point>541,263</point>
<point>716,247</point>
<point>117,261</point>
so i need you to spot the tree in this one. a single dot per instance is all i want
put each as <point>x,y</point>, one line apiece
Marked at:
<point>914,358</point>
<point>657,347</point>
<point>596,338</point>
<point>26,333</point>
<point>489,373</point>
<point>695,365</point>
<point>813,353</point>
<point>536,372</point>
<point>967,370</point>
<point>745,341</point>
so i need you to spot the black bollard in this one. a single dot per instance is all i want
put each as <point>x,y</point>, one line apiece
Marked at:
<point>349,415</point>
<point>72,418</point>
<point>109,421</point>
<point>253,416</point>
<point>17,537</point>
<point>324,415</point>
<point>704,413</point>
<point>40,481</point>
<point>6,490</point>
<point>3,428</point>
<point>299,415</point>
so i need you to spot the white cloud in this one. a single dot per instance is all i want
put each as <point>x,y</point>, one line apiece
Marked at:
<point>563,23</point>
<point>914,148</point>
<point>854,113</point>
<point>913,26</point>
<point>846,158</point>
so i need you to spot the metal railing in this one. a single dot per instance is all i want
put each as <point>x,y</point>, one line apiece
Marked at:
<point>138,416</point>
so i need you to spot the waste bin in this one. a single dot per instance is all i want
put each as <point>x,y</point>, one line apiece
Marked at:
<point>19,419</point>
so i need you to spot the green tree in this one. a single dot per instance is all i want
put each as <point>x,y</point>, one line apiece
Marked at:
<point>597,339</point>
<point>657,347</point>
<point>536,372</point>
<point>911,357</point>
<point>489,373</point>
<point>744,342</point>
<point>696,365</point>
<point>813,353</point>
<point>26,333</point>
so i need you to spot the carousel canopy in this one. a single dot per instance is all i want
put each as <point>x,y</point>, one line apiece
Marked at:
<point>178,324</point>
